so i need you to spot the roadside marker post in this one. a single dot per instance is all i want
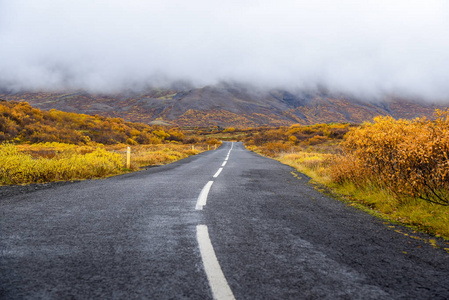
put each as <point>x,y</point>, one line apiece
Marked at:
<point>128,157</point>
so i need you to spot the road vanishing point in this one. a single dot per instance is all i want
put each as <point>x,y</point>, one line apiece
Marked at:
<point>224,224</point>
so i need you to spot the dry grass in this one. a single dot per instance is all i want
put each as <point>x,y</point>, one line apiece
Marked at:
<point>19,167</point>
<point>349,179</point>
<point>313,164</point>
<point>148,155</point>
<point>409,158</point>
<point>47,162</point>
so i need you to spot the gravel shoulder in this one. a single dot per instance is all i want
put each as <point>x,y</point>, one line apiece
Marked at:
<point>7,191</point>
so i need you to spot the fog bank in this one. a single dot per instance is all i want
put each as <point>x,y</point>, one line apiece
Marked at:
<point>368,48</point>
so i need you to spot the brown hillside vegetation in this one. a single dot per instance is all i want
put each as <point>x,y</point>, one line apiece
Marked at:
<point>226,105</point>
<point>272,141</point>
<point>22,123</point>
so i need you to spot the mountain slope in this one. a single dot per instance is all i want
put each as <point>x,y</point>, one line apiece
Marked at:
<point>226,105</point>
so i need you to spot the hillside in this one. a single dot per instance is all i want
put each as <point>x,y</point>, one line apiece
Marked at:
<point>21,122</point>
<point>226,105</point>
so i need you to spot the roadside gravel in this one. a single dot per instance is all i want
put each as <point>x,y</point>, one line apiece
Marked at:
<point>13,190</point>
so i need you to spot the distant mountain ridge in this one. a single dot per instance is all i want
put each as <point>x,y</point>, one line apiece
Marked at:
<point>227,105</point>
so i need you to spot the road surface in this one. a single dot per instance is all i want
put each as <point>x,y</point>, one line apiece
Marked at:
<point>226,224</point>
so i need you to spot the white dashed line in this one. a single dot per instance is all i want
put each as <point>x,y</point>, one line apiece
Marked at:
<point>218,172</point>
<point>202,198</point>
<point>217,281</point>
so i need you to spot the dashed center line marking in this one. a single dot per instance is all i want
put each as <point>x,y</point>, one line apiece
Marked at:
<point>217,281</point>
<point>202,198</point>
<point>218,172</point>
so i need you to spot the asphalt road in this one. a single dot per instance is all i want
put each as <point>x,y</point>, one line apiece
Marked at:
<point>274,236</point>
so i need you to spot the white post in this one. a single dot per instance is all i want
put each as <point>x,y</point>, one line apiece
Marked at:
<point>128,157</point>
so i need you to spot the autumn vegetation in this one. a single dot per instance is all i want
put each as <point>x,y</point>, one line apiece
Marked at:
<point>394,168</point>
<point>19,167</point>
<point>41,146</point>
<point>46,162</point>
<point>21,123</point>
<point>400,168</point>
<point>408,158</point>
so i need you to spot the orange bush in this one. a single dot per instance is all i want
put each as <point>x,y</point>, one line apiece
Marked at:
<point>410,158</point>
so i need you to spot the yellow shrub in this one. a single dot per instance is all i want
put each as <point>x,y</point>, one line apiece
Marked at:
<point>18,168</point>
<point>317,139</point>
<point>275,147</point>
<point>410,158</point>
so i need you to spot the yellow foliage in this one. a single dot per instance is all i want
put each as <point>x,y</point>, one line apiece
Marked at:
<point>293,139</point>
<point>317,139</point>
<point>146,155</point>
<point>21,123</point>
<point>213,141</point>
<point>176,134</point>
<point>18,168</point>
<point>47,162</point>
<point>229,129</point>
<point>161,134</point>
<point>130,141</point>
<point>409,157</point>
<point>134,132</point>
<point>304,161</point>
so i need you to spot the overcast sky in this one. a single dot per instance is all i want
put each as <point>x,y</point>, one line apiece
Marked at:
<point>360,46</point>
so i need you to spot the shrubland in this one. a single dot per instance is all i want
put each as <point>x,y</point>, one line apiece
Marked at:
<point>21,123</point>
<point>395,168</point>
<point>46,162</point>
<point>17,167</point>
<point>400,168</point>
<point>42,146</point>
<point>407,157</point>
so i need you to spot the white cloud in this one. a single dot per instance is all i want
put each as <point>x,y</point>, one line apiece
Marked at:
<point>357,46</point>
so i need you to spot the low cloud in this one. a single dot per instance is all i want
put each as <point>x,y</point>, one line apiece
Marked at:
<point>367,48</point>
